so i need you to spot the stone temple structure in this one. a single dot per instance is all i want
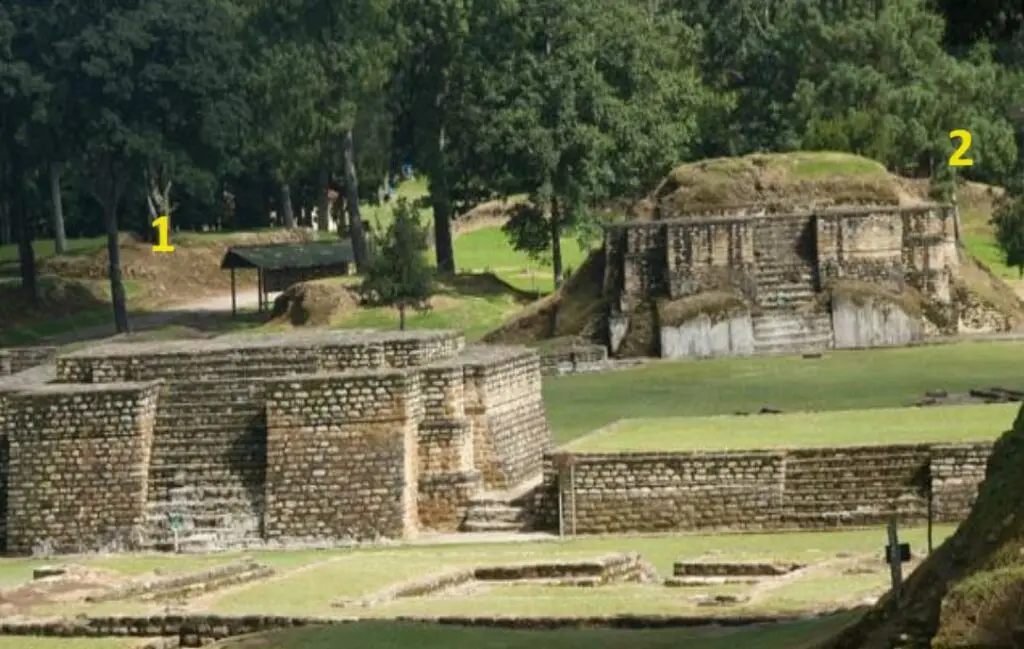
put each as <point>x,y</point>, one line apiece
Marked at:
<point>747,279</point>
<point>326,436</point>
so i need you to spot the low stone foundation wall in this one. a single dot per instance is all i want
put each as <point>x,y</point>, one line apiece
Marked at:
<point>573,359</point>
<point>758,490</point>
<point>19,359</point>
<point>201,630</point>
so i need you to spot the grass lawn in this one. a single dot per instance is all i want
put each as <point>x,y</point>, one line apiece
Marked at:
<point>840,380</point>
<point>385,635</point>
<point>802,429</point>
<point>488,249</point>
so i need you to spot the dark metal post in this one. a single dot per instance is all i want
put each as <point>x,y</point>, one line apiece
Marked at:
<point>234,304</point>
<point>895,565</point>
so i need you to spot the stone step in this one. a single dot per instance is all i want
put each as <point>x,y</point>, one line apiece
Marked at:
<point>199,540</point>
<point>493,526</point>
<point>872,519</point>
<point>205,493</point>
<point>495,512</point>
<point>212,506</point>
<point>790,347</point>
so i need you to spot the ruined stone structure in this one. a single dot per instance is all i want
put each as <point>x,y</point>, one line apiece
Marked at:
<point>329,436</point>
<point>772,272</point>
<point>819,488</point>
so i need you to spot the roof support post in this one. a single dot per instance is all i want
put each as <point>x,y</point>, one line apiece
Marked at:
<point>234,304</point>
<point>259,290</point>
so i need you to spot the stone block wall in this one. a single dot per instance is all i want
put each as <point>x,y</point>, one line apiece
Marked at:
<point>708,255</point>
<point>341,456</point>
<point>332,435</point>
<point>872,322</point>
<point>78,460</point>
<point>956,472</point>
<point>18,359</point>
<point>504,405</point>
<point>757,490</point>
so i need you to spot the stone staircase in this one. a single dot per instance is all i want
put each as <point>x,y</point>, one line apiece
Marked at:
<point>788,332</point>
<point>207,466</point>
<point>507,511</point>
<point>789,320</point>
<point>847,490</point>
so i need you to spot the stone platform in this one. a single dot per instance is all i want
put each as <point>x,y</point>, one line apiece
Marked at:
<point>322,436</point>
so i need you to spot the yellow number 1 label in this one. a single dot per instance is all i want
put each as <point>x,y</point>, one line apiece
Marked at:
<point>163,226</point>
<point>958,159</point>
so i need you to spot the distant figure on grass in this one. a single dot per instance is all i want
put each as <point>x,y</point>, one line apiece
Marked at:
<point>399,273</point>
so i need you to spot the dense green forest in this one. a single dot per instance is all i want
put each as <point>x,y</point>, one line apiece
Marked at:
<point>113,112</point>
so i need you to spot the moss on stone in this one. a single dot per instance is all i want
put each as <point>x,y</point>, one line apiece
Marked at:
<point>717,305</point>
<point>862,293</point>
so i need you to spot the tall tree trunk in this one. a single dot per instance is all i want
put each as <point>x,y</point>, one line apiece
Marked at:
<point>323,208</point>
<point>441,202</point>
<point>118,299</point>
<point>556,243</point>
<point>60,240</point>
<point>287,213</point>
<point>356,230</point>
<point>401,316</point>
<point>26,254</point>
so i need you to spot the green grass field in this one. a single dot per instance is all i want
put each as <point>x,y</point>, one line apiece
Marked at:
<point>840,380</point>
<point>488,249</point>
<point>802,429</point>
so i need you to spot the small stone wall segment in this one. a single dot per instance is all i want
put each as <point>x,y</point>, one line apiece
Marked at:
<point>77,469</point>
<point>656,492</point>
<point>872,323</point>
<point>342,456</point>
<point>855,485</point>
<point>18,359</point>
<point>576,358</point>
<point>957,471</point>
<point>504,405</point>
<point>770,490</point>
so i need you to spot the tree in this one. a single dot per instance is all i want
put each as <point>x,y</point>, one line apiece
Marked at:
<point>399,273</point>
<point>1008,221</point>
<point>577,102</point>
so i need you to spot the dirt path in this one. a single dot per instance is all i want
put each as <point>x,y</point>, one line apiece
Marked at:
<point>201,313</point>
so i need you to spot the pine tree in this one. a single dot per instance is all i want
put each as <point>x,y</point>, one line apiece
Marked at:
<point>399,274</point>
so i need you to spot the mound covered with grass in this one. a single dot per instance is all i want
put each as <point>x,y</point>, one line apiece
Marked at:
<point>779,182</point>
<point>969,593</point>
<point>313,303</point>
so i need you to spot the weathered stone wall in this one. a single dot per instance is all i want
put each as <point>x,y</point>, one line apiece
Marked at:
<point>77,466</point>
<point>382,433</point>
<point>956,472</point>
<point>779,262</point>
<point>341,456</point>
<point>572,359</point>
<point>504,405</point>
<point>757,490</point>
<point>872,323</point>
<point>18,359</point>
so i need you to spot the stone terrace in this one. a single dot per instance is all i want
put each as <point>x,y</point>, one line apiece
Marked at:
<point>325,436</point>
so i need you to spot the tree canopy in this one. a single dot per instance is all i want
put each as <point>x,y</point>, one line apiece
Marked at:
<point>222,113</point>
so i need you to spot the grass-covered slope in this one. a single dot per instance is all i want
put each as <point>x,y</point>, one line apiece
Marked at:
<point>781,181</point>
<point>969,594</point>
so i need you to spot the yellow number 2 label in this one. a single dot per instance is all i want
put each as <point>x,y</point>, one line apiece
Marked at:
<point>163,227</point>
<point>958,159</point>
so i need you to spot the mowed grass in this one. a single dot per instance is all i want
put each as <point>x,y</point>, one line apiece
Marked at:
<point>402,635</point>
<point>488,249</point>
<point>840,380</point>
<point>802,429</point>
<point>354,573</point>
